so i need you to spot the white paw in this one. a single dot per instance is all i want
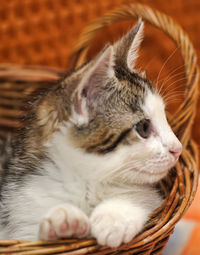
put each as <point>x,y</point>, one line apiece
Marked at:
<point>64,221</point>
<point>113,227</point>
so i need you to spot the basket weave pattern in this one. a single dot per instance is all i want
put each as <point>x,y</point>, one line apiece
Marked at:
<point>26,27</point>
<point>179,188</point>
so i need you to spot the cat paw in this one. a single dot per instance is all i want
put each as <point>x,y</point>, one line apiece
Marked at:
<point>111,228</point>
<point>64,221</point>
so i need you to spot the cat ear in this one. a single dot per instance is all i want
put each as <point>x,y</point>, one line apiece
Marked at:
<point>92,82</point>
<point>127,48</point>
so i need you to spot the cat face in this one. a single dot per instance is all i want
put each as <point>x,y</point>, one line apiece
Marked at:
<point>117,126</point>
<point>156,150</point>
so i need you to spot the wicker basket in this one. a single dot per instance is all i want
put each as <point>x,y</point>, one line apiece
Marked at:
<point>179,187</point>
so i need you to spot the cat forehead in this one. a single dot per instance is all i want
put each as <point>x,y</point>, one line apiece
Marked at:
<point>153,105</point>
<point>133,78</point>
<point>136,88</point>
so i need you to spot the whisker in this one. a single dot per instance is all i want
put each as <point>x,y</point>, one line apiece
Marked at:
<point>172,99</point>
<point>167,87</point>
<point>173,71</point>
<point>177,68</point>
<point>167,90</point>
<point>174,90</point>
<point>170,78</point>
<point>174,94</point>
<point>171,84</point>
<point>170,56</point>
<point>180,79</point>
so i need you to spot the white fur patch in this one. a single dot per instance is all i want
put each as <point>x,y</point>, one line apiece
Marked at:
<point>117,221</point>
<point>155,110</point>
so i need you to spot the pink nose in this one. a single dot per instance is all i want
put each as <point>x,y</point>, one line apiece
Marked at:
<point>176,152</point>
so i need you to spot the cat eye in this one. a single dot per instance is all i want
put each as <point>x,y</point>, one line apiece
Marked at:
<point>143,128</point>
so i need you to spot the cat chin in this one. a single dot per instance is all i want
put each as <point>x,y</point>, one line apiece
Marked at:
<point>152,178</point>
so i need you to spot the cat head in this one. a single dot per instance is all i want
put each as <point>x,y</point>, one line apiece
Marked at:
<point>116,126</point>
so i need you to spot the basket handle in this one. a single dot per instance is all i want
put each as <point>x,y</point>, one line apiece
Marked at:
<point>186,112</point>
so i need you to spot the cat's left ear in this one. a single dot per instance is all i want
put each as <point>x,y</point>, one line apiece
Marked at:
<point>126,49</point>
<point>94,78</point>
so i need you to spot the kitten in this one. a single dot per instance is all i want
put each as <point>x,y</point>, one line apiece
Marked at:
<point>94,147</point>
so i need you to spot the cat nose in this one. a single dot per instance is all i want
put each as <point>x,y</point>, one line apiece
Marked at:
<point>176,151</point>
